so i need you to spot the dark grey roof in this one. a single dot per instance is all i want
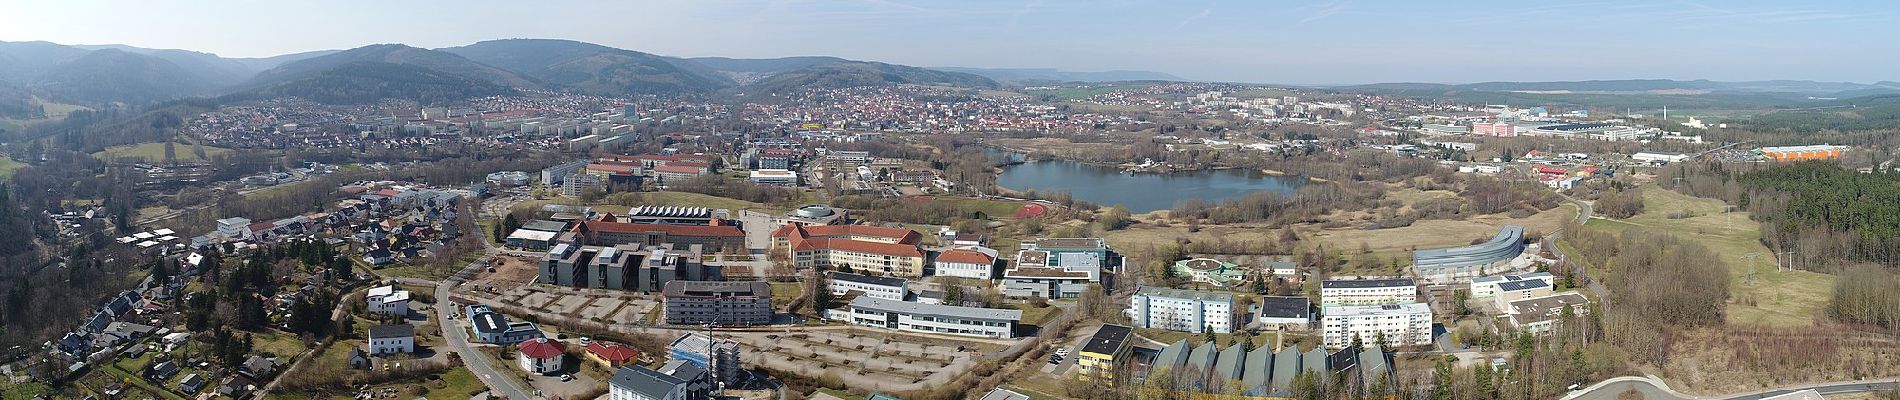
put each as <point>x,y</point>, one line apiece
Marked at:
<point>645,381</point>
<point>1108,339</point>
<point>1285,307</point>
<point>1171,357</point>
<point>717,288</point>
<point>392,331</point>
<point>1367,283</point>
<point>545,225</point>
<point>1231,363</point>
<point>1259,367</point>
<point>490,322</point>
<point>869,280</point>
<point>1286,363</point>
<point>1522,285</point>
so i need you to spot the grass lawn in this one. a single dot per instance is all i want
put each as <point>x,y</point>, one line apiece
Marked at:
<point>1035,316</point>
<point>283,345</point>
<point>1792,298</point>
<point>784,292</point>
<point>135,380</point>
<point>155,151</point>
<point>994,209</point>
<point>457,383</point>
<point>23,391</point>
<point>7,166</point>
<point>415,271</point>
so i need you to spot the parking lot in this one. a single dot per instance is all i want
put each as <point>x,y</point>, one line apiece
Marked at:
<point>874,360</point>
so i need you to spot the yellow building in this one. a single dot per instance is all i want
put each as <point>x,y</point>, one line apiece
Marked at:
<point>1100,356</point>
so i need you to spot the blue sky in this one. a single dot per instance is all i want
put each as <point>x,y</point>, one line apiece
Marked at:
<point>1308,42</point>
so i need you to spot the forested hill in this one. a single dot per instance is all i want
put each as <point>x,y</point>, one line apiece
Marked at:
<point>590,68</point>
<point>363,82</point>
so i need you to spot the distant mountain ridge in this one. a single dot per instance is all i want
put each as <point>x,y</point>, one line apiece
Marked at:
<point>590,68</point>
<point>842,74</point>
<point>1024,75</point>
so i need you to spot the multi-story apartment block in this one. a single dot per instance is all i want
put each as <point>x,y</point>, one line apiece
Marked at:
<point>1402,324</point>
<point>1182,310</point>
<point>1367,292</point>
<point>718,303</point>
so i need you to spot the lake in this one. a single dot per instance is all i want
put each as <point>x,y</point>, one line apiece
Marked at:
<point>1140,192</point>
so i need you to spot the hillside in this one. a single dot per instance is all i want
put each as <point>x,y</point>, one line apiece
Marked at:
<point>589,68</point>
<point>1054,75</point>
<point>841,74</point>
<point>361,82</point>
<point>397,54</point>
<point>110,75</point>
<point>745,71</point>
<point>23,62</point>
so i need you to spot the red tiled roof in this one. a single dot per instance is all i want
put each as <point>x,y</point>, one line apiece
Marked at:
<point>965,256</point>
<point>675,230</point>
<point>542,348</point>
<point>695,164</point>
<point>902,235</point>
<point>613,352</point>
<point>616,169</point>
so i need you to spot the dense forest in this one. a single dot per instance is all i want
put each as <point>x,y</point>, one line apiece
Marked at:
<point>1828,216</point>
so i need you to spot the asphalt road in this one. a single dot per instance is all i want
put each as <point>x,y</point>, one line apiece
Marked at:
<point>1652,390</point>
<point>457,336</point>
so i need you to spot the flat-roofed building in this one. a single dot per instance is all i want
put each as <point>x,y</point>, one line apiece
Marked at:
<point>1182,310</point>
<point>1539,315</point>
<point>1487,286</point>
<point>1403,324</point>
<point>1104,351</point>
<point>386,300</point>
<point>881,287</point>
<point>1519,290</point>
<point>773,177</point>
<point>1060,267</point>
<point>934,318</point>
<point>624,266</point>
<point>1349,292</point>
<point>713,238</point>
<point>718,303</point>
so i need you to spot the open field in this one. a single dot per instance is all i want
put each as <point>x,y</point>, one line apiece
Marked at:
<point>7,166</point>
<point>994,209</point>
<point>1385,243</point>
<point>1784,299</point>
<point>155,151</point>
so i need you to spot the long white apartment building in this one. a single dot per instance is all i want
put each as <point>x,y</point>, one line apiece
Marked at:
<point>881,287</point>
<point>996,323</point>
<point>1361,292</point>
<point>1403,324</point>
<point>1182,310</point>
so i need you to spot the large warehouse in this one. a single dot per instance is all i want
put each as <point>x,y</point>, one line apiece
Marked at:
<point>1460,264</point>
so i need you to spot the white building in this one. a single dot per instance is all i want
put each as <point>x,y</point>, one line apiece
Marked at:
<point>1487,286</point>
<point>392,339</point>
<point>1403,324</point>
<point>881,287</point>
<point>1367,292</point>
<point>775,177</point>
<point>1538,315</point>
<point>1182,310</point>
<point>1519,290</point>
<point>386,300</point>
<point>967,262</point>
<point>1659,158</point>
<point>541,355</point>
<point>933,318</point>
<point>234,228</point>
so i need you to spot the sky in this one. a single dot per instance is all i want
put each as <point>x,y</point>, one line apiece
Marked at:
<point>1263,41</point>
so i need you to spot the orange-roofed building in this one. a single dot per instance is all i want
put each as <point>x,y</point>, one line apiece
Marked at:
<point>611,355</point>
<point>858,248</point>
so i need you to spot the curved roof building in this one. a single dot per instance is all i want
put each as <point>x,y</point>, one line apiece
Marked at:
<point>1463,263</point>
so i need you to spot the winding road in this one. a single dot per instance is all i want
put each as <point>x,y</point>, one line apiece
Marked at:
<point>1654,389</point>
